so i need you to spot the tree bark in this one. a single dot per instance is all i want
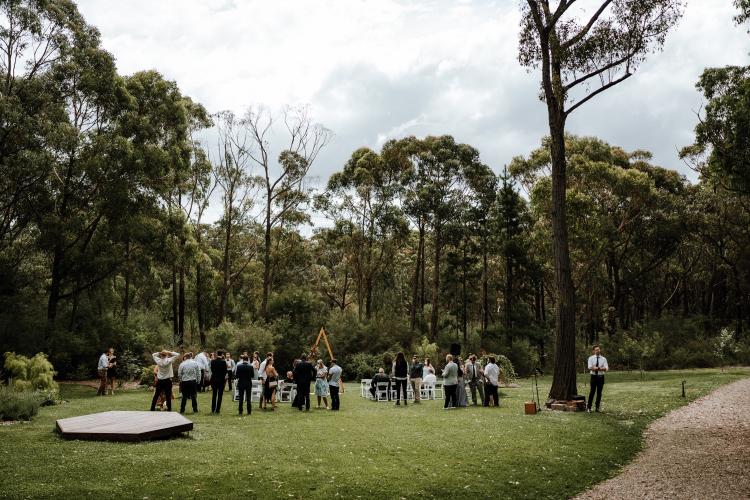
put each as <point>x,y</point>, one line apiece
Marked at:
<point>225,270</point>
<point>415,296</point>
<point>436,285</point>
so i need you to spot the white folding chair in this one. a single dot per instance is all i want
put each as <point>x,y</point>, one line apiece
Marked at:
<point>286,392</point>
<point>381,391</point>
<point>438,389</point>
<point>256,391</point>
<point>427,390</point>
<point>364,387</point>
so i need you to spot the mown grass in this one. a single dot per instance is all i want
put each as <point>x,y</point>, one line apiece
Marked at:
<point>368,450</point>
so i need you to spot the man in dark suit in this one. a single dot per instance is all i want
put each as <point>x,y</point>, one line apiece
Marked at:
<point>244,373</point>
<point>303,374</point>
<point>218,376</point>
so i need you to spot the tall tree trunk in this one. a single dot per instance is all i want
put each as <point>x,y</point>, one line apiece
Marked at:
<point>464,299</point>
<point>225,270</point>
<point>126,298</point>
<point>509,298</point>
<point>55,283</point>
<point>199,304</point>
<point>564,376</point>
<point>485,293</point>
<point>175,311</point>
<point>436,285</point>
<point>266,261</point>
<point>415,302</point>
<point>181,309</point>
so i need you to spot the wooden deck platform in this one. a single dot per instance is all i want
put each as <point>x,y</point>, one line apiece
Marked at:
<point>123,425</point>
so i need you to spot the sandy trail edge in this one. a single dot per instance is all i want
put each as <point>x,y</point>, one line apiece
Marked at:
<point>701,450</point>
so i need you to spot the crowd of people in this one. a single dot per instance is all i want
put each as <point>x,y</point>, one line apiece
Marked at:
<point>218,371</point>
<point>481,380</point>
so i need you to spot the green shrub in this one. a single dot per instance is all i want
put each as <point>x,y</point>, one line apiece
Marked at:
<point>129,366</point>
<point>34,373</point>
<point>361,365</point>
<point>147,375</point>
<point>507,372</point>
<point>18,405</point>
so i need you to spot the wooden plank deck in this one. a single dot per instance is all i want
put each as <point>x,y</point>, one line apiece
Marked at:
<point>123,426</point>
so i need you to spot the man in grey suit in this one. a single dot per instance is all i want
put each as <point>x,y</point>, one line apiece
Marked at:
<point>450,376</point>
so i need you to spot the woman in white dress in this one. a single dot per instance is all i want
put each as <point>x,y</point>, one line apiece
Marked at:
<point>426,367</point>
<point>321,383</point>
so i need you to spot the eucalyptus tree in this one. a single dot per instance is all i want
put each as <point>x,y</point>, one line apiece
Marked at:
<point>283,182</point>
<point>232,171</point>
<point>580,55</point>
<point>365,192</point>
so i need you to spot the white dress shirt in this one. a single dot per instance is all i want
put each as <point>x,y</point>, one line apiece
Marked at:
<point>262,370</point>
<point>103,362</point>
<point>165,365</point>
<point>599,361</point>
<point>492,373</point>
<point>202,360</point>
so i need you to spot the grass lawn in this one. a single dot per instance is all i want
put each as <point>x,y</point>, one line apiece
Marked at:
<point>367,450</point>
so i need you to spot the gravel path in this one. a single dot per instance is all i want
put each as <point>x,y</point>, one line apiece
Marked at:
<point>701,450</point>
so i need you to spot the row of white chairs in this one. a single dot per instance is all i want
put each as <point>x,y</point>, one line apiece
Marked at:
<point>285,393</point>
<point>386,391</point>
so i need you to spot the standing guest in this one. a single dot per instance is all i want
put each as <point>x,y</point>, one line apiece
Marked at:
<point>321,383</point>
<point>203,364</point>
<point>270,385</point>
<point>164,375</point>
<point>380,377</point>
<point>230,369</point>
<point>462,400</point>
<point>218,376</point>
<point>290,376</point>
<point>450,384</point>
<point>400,374</point>
<point>101,370</point>
<point>334,381</point>
<point>416,373</point>
<point>474,375</point>
<point>427,367</point>
<point>304,373</point>
<point>245,374</point>
<point>598,367</point>
<point>112,371</point>
<point>189,374</point>
<point>256,361</point>
<point>429,382</point>
<point>492,376</point>
<point>262,377</point>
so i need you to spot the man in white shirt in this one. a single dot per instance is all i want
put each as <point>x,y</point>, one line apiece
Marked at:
<point>203,364</point>
<point>598,366</point>
<point>189,374</point>
<point>492,376</point>
<point>101,370</point>
<point>334,380</point>
<point>164,374</point>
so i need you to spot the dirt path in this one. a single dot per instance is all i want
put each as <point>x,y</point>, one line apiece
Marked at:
<point>701,450</point>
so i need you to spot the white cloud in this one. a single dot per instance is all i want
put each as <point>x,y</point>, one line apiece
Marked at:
<point>376,69</point>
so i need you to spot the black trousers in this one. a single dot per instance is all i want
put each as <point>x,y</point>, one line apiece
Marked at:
<point>399,385</point>
<point>303,390</point>
<point>335,401</point>
<point>189,390</point>
<point>245,392</point>
<point>597,384</point>
<point>217,393</point>
<point>202,382</point>
<point>229,380</point>
<point>450,395</point>
<point>490,392</point>
<point>163,386</point>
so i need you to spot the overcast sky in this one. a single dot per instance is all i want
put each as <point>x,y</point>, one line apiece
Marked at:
<point>378,69</point>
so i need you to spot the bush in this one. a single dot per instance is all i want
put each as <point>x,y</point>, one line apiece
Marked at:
<point>361,365</point>
<point>147,375</point>
<point>507,372</point>
<point>18,405</point>
<point>129,366</point>
<point>30,373</point>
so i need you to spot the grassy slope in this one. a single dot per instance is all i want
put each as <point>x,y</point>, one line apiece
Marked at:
<point>367,450</point>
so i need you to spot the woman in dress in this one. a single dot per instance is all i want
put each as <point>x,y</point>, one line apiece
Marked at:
<point>321,383</point>
<point>427,367</point>
<point>401,375</point>
<point>256,361</point>
<point>461,400</point>
<point>270,385</point>
<point>112,372</point>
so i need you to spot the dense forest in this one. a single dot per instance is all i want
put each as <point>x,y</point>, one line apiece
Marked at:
<point>107,183</point>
